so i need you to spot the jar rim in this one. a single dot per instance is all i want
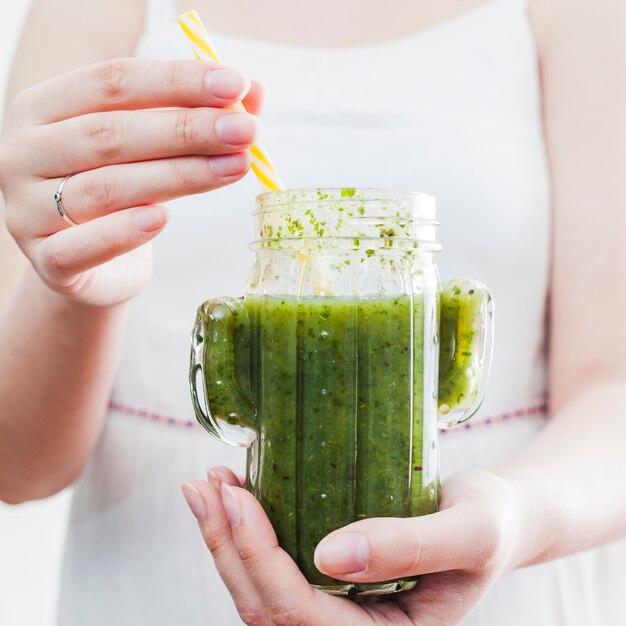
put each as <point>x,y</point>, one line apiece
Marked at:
<point>333,216</point>
<point>418,204</point>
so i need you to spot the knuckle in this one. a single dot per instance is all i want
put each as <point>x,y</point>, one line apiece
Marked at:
<point>289,617</point>
<point>176,78</point>
<point>189,173</point>
<point>15,108</point>
<point>107,240</point>
<point>253,617</point>
<point>112,78</point>
<point>16,150</point>
<point>218,544</point>
<point>13,224</point>
<point>54,261</point>
<point>5,164</point>
<point>105,136</point>
<point>102,192</point>
<point>186,129</point>
<point>19,104</point>
<point>251,557</point>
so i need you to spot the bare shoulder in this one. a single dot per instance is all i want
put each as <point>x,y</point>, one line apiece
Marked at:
<point>584,25</point>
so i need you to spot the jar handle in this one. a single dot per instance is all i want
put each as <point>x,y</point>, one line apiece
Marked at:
<point>465,349</point>
<point>219,371</point>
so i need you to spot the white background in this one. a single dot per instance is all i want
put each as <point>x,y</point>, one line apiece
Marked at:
<point>31,535</point>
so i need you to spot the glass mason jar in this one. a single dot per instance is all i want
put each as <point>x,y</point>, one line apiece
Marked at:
<point>339,363</point>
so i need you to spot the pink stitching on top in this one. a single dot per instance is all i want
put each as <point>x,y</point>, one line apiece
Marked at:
<point>540,409</point>
<point>167,420</point>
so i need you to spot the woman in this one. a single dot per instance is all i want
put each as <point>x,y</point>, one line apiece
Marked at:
<point>460,100</point>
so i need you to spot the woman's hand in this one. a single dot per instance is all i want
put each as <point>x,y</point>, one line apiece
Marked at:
<point>133,133</point>
<point>458,553</point>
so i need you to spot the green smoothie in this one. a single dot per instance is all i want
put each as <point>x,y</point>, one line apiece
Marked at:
<point>330,377</point>
<point>335,386</point>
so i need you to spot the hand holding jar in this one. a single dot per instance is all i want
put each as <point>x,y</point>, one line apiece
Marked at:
<point>114,140</point>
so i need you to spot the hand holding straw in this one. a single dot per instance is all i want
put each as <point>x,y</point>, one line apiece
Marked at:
<point>203,49</point>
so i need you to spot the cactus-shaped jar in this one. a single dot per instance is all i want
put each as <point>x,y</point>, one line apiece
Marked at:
<point>339,363</point>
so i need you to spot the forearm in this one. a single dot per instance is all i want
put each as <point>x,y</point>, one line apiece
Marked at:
<point>569,480</point>
<point>58,361</point>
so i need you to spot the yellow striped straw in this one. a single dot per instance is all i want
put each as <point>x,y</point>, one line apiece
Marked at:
<point>203,49</point>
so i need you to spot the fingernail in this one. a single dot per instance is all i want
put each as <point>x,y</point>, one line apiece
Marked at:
<point>194,500</point>
<point>236,128</point>
<point>229,84</point>
<point>229,164</point>
<point>343,553</point>
<point>214,478</point>
<point>150,218</point>
<point>231,505</point>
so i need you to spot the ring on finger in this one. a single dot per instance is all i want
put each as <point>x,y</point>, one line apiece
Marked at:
<point>58,198</point>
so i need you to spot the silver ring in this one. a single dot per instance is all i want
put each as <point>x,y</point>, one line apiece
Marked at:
<point>58,198</point>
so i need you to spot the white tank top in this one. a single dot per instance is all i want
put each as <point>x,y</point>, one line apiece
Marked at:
<point>453,111</point>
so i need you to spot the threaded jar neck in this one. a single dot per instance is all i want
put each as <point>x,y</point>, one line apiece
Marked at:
<point>345,218</point>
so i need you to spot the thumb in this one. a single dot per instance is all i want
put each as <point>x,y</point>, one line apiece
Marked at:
<point>379,549</point>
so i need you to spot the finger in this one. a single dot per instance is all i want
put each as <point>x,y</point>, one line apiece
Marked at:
<point>92,194</point>
<point>218,538</point>
<point>67,253</point>
<point>225,475</point>
<point>100,139</point>
<point>255,98</point>
<point>380,549</point>
<point>281,586</point>
<point>132,84</point>
<point>442,598</point>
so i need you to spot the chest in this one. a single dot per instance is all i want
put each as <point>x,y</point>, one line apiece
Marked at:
<point>334,23</point>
